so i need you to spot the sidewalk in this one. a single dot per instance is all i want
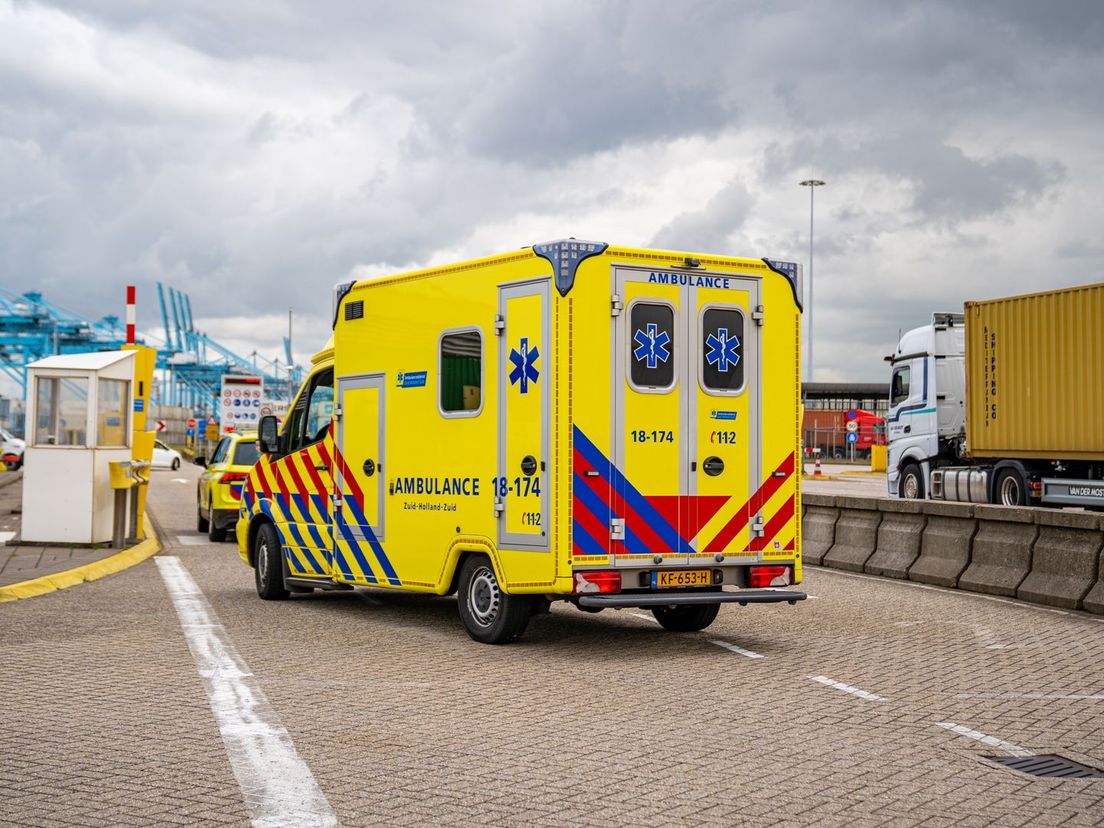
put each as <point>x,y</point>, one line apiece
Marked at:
<point>26,562</point>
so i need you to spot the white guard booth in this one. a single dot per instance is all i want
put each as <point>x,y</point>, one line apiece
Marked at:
<point>78,421</point>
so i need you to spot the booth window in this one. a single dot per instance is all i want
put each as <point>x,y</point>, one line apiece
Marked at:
<point>61,411</point>
<point>461,373</point>
<point>111,416</point>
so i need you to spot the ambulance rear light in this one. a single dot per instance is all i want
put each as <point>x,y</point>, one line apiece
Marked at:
<point>608,580</point>
<point>233,477</point>
<point>770,576</point>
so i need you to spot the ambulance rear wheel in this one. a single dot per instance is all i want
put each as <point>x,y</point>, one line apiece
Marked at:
<point>686,617</point>
<point>268,564</point>
<point>489,614</point>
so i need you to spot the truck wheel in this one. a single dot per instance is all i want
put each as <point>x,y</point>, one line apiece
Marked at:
<point>268,566</point>
<point>214,533</point>
<point>912,483</point>
<point>1010,488</point>
<point>686,618</point>
<point>489,614</point>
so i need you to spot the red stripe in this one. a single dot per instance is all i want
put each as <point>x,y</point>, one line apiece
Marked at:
<point>774,526</point>
<point>297,479</point>
<point>590,523</point>
<point>633,522</point>
<point>249,489</point>
<point>323,454</point>
<point>131,292</point>
<point>263,480</point>
<point>789,546</point>
<point>349,479</point>
<point>279,478</point>
<point>316,479</point>
<point>130,334</point>
<point>754,504</point>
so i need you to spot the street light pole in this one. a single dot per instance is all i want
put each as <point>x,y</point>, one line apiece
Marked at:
<point>812,184</point>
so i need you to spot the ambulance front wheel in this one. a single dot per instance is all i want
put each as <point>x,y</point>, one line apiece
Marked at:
<point>687,617</point>
<point>489,614</point>
<point>268,564</point>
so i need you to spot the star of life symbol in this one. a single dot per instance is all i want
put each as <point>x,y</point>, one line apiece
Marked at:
<point>722,349</point>
<point>524,361</point>
<point>651,345</point>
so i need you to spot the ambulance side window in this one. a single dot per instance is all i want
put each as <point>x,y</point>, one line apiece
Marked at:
<point>460,373</point>
<point>722,351</point>
<point>311,419</point>
<point>220,452</point>
<point>651,346</point>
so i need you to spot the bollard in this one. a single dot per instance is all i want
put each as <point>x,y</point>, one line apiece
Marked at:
<point>816,466</point>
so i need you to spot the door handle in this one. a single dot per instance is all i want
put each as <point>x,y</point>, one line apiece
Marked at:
<point>369,467</point>
<point>529,465</point>
<point>908,429</point>
<point>323,467</point>
<point>713,466</point>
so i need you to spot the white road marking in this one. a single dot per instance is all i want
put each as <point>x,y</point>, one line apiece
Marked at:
<point>191,540</point>
<point>643,617</point>
<point>277,786</point>
<point>180,480</point>
<point>961,592</point>
<point>847,688</point>
<point>978,736</point>
<point>734,648</point>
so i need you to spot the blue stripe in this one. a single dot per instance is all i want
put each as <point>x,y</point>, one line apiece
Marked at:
<point>355,547</point>
<point>267,511</point>
<point>636,501</point>
<point>370,536</point>
<point>320,505</point>
<point>305,549</point>
<point>342,564</point>
<point>584,541</point>
<point>319,543</point>
<point>593,503</point>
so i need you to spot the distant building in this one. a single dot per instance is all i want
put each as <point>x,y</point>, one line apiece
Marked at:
<point>826,407</point>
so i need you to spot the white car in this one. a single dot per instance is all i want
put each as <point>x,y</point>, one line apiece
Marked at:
<point>11,449</point>
<point>165,457</point>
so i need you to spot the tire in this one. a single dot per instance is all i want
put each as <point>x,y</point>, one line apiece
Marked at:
<point>1010,488</point>
<point>214,533</point>
<point>687,617</point>
<point>12,465</point>
<point>911,486</point>
<point>201,521</point>
<point>490,615</point>
<point>175,463</point>
<point>268,564</point>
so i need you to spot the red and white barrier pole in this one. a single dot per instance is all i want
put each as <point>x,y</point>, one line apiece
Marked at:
<point>130,314</point>
<point>816,468</point>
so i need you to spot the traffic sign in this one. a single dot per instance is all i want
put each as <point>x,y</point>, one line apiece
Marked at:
<point>160,425</point>
<point>852,426</point>
<point>192,422</point>
<point>852,437</point>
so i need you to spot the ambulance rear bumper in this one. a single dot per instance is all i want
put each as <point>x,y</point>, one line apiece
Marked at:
<point>670,599</point>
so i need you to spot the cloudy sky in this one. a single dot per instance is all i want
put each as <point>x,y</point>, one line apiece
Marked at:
<point>255,152</point>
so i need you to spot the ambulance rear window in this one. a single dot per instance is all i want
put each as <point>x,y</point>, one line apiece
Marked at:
<point>460,373</point>
<point>245,454</point>
<point>722,343</point>
<point>651,346</point>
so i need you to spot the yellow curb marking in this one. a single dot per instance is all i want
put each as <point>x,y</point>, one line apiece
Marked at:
<point>87,572</point>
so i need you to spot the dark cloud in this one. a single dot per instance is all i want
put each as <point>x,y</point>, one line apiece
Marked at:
<point>711,227</point>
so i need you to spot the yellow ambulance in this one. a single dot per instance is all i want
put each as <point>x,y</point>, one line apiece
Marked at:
<point>611,426</point>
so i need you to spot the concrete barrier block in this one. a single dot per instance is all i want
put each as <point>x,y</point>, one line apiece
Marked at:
<point>1000,559</point>
<point>1066,558</point>
<point>1094,601</point>
<point>899,537</point>
<point>856,533</point>
<point>945,544</point>
<point>818,529</point>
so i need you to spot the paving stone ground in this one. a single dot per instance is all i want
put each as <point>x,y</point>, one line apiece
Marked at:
<point>590,719</point>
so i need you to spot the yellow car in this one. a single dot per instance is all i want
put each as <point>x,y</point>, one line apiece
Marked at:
<point>220,488</point>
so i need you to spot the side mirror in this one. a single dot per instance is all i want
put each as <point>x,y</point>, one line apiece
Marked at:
<point>268,435</point>
<point>200,460</point>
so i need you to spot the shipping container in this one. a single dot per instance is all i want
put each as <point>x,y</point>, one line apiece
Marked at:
<point>1035,375</point>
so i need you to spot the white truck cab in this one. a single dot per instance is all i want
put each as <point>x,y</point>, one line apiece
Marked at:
<point>927,414</point>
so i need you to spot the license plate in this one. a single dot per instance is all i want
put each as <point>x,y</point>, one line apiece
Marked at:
<point>681,578</point>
